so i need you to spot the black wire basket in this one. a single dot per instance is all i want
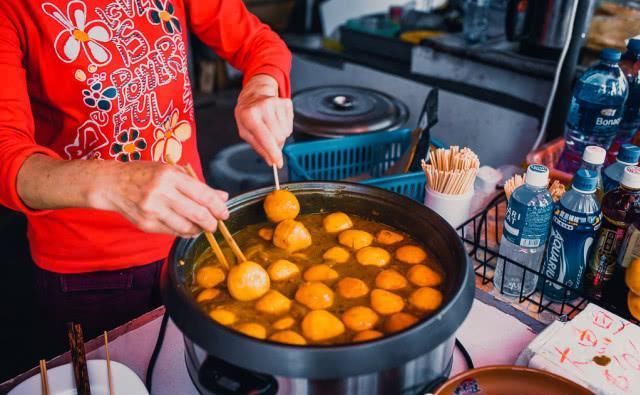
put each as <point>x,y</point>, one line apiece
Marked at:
<point>482,234</point>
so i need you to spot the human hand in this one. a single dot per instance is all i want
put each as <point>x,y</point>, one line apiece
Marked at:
<point>264,119</point>
<point>159,198</point>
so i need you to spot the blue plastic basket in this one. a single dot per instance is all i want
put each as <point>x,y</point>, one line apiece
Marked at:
<point>337,159</point>
<point>410,184</point>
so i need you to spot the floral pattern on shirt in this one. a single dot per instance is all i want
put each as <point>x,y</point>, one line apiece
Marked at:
<point>162,15</point>
<point>78,34</point>
<point>169,139</point>
<point>128,146</point>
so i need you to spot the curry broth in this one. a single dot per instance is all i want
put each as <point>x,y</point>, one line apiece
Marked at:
<point>264,253</point>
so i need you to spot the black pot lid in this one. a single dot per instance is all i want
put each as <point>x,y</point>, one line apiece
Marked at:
<point>336,111</point>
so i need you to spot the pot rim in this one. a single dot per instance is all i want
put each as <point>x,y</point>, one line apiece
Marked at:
<point>188,316</point>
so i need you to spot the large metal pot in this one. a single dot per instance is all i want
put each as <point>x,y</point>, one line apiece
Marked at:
<point>403,363</point>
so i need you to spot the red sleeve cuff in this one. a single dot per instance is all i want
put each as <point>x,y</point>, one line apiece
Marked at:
<point>8,191</point>
<point>280,76</point>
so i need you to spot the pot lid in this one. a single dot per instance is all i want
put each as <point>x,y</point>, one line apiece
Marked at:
<point>336,111</point>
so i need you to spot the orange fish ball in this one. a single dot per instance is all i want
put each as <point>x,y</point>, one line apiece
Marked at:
<point>359,318</point>
<point>390,280</point>
<point>284,323</point>
<point>355,239</point>
<point>273,302</point>
<point>399,321</point>
<point>320,273</point>
<point>388,237</point>
<point>280,205</point>
<point>319,325</point>
<point>424,276</point>
<point>426,299</point>
<point>336,222</point>
<point>315,295</point>
<point>351,287</point>
<point>282,270</point>
<point>223,316</point>
<point>209,276</point>
<point>207,295</point>
<point>288,337</point>
<point>337,255</point>
<point>291,236</point>
<point>265,234</point>
<point>252,329</point>
<point>411,254</point>
<point>367,335</point>
<point>385,302</point>
<point>248,281</point>
<point>373,256</point>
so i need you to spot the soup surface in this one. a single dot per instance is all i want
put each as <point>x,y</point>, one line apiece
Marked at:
<point>368,290</point>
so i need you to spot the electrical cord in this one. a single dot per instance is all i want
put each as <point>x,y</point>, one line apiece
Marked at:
<point>556,80</point>
<point>465,354</point>
<point>156,351</point>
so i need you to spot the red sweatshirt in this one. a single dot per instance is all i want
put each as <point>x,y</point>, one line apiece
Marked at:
<point>108,80</point>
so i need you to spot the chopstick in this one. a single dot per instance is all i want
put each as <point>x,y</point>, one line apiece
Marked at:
<point>276,177</point>
<point>79,358</point>
<point>213,243</point>
<point>106,349</point>
<point>223,228</point>
<point>44,380</point>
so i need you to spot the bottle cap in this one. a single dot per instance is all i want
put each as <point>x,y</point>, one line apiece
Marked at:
<point>537,176</point>
<point>594,155</point>
<point>629,154</point>
<point>631,177</point>
<point>634,45</point>
<point>610,55</point>
<point>585,181</point>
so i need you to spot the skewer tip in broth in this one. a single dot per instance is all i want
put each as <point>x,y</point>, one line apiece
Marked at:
<point>320,279</point>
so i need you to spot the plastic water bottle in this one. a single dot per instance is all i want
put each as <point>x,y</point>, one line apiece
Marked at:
<point>575,221</point>
<point>630,65</point>
<point>526,227</point>
<point>628,156</point>
<point>597,106</point>
<point>593,160</point>
<point>476,20</point>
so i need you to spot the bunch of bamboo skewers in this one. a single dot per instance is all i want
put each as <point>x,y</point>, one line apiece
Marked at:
<point>557,189</point>
<point>451,171</point>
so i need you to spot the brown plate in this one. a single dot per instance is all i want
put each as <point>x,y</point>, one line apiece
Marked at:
<point>509,380</point>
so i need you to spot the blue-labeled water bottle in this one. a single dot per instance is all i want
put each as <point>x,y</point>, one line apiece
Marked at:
<point>628,156</point>
<point>597,107</point>
<point>576,220</point>
<point>630,66</point>
<point>526,227</point>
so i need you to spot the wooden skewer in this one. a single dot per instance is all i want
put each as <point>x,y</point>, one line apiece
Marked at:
<point>232,243</point>
<point>106,350</point>
<point>213,243</point>
<point>276,177</point>
<point>44,380</point>
<point>223,229</point>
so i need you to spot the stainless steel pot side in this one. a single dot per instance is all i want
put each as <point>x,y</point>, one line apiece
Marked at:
<point>398,364</point>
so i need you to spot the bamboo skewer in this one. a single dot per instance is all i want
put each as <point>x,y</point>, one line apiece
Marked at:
<point>106,350</point>
<point>213,243</point>
<point>223,229</point>
<point>44,380</point>
<point>276,177</point>
<point>451,171</point>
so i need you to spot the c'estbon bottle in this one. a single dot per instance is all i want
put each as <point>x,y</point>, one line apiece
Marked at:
<point>620,207</point>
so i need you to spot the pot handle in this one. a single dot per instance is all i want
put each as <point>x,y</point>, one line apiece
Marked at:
<point>511,19</point>
<point>223,378</point>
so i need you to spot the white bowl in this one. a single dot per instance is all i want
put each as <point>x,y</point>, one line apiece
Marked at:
<point>62,382</point>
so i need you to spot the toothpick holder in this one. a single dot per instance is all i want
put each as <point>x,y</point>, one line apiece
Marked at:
<point>455,209</point>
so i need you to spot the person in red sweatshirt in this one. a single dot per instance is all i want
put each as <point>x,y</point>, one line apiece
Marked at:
<point>95,102</point>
